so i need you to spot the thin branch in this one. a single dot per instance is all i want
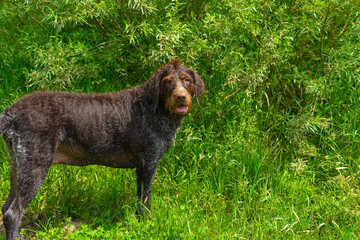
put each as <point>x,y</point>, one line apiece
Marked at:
<point>9,35</point>
<point>90,48</point>
<point>345,28</point>
<point>38,22</point>
<point>98,22</point>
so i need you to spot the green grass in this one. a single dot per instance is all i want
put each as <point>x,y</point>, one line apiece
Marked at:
<point>216,182</point>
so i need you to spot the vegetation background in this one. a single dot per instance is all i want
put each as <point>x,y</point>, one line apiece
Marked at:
<point>272,152</point>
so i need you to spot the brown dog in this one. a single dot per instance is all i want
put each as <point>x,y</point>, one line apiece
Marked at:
<point>132,128</point>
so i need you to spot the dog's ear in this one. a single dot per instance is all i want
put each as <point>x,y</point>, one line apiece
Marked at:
<point>153,85</point>
<point>199,87</point>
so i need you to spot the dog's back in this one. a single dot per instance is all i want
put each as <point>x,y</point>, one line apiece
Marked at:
<point>43,110</point>
<point>85,128</point>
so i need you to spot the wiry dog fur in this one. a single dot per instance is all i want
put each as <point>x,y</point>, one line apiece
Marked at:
<point>132,128</point>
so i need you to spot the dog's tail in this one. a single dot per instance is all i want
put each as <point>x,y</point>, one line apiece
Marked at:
<point>4,122</point>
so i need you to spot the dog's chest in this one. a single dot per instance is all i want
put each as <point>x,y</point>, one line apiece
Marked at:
<point>163,134</point>
<point>163,142</point>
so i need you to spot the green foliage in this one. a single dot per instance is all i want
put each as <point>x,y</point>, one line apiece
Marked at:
<point>273,150</point>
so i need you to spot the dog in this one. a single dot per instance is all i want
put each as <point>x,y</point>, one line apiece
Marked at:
<point>131,128</point>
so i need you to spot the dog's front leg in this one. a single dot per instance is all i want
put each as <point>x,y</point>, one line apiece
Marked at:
<point>145,176</point>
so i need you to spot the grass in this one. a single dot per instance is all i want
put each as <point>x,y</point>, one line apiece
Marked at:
<point>219,181</point>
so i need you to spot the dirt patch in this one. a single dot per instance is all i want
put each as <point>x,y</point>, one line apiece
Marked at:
<point>70,227</point>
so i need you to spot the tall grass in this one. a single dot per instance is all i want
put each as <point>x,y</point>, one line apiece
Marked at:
<point>271,152</point>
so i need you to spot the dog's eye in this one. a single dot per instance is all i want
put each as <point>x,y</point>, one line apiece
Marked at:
<point>166,81</point>
<point>187,80</point>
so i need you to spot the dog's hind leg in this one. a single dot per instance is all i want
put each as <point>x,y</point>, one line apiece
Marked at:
<point>31,170</point>
<point>13,179</point>
<point>13,186</point>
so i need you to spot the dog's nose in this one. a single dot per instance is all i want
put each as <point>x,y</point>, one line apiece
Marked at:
<point>181,97</point>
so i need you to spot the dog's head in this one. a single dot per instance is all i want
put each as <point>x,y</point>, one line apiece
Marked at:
<point>173,87</point>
